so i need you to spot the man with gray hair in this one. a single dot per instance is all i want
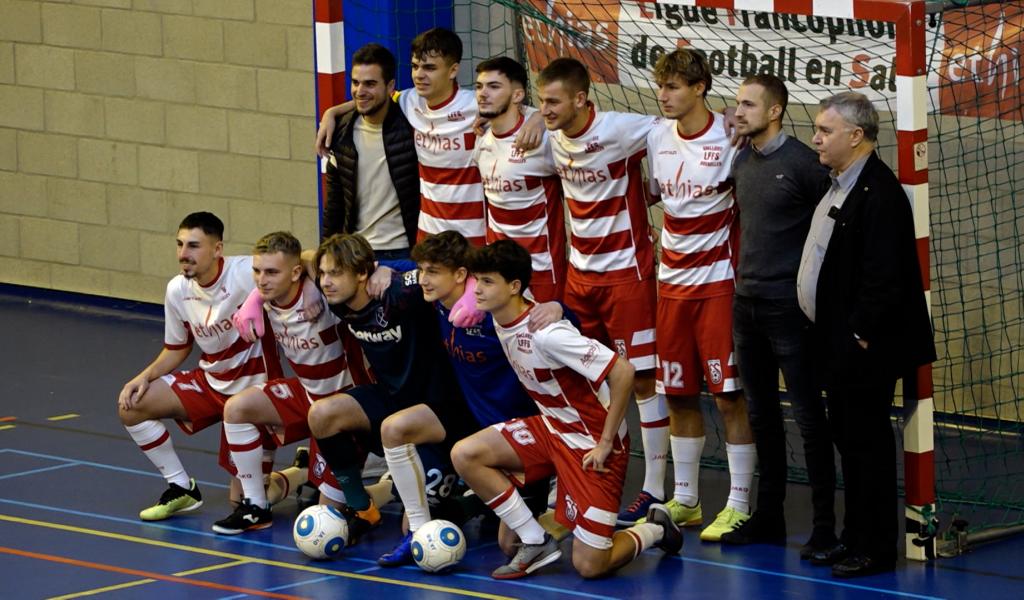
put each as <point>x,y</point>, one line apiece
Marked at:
<point>860,283</point>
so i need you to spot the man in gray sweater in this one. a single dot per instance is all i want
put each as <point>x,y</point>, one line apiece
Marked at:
<point>779,181</point>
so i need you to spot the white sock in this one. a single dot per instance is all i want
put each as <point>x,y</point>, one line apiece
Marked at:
<point>511,509</point>
<point>742,458</point>
<point>686,453</point>
<point>410,481</point>
<point>644,536</point>
<point>155,442</point>
<point>654,434</point>
<point>247,453</point>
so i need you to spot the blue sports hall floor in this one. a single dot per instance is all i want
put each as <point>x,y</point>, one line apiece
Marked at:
<point>72,483</point>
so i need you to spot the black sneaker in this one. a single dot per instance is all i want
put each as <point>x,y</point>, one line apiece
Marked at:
<point>247,517</point>
<point>760,528</point>
<point>175,499</point>
<point>671,541</point>
<point>360,522</point>
<point>301,460</point>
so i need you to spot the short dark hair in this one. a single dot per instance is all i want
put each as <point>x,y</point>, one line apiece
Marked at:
<point>279,241</point>
<point>508,67</point>
<point>775,91</point>
<point>571,72</point>
<point>207,221</point>
<point>375,54</point>
<point>687,64</point>
<point>351,252</point>
<point>438,41</point>
<point>448,248</point>
<point>505,257</point>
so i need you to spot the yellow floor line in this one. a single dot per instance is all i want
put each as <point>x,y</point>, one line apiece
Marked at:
<point>121,586</point>
<point>63,417</point>
<point>260,561</point>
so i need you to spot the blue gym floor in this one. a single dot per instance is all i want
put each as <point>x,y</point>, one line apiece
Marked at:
<point>72,483</point>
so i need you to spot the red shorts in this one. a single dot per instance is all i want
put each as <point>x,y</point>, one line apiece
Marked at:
<point>621,316</point>
<point>695,339</point>
<point>203,404</point>
<point>547,292</point>
<point>588,501</point>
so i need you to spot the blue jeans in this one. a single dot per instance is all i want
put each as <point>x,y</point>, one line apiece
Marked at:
<point>770,335</point>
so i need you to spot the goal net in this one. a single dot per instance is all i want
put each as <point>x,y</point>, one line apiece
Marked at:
<point>946,79</point>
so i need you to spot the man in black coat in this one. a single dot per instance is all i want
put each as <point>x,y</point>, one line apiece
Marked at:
<point>860,283</point>
<point>372,183</point>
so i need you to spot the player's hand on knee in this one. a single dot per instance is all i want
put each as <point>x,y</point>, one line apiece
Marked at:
<point>543,315</point>
<point>248,319</point>
<point>132,392</point>
<point>464,312</point>
<point>379,282</point>
<point>313,301</point>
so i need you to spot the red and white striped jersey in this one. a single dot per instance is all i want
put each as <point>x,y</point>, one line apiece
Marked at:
<point>313,348</point>
<point>601,174</point>
<point>564,372</point>
<point>692,174</point>
<point>524,200</point>
<point>451,195</point>
<point>203,314</point>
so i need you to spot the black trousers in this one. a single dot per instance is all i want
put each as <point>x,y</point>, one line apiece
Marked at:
<point>769,336</point>
<point>860,400</point>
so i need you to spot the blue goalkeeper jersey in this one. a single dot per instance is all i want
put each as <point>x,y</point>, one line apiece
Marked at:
<point>399,336</point>
<point>489,385</point>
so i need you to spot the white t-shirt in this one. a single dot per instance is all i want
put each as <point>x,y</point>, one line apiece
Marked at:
<point>380,218</point>
<point>601,174</point>
<point>451,194</point>
<point>692,174</point>
<point>203,314</point>
<point>524,199</point>
<point>313,348</point>
<point>564,372</point>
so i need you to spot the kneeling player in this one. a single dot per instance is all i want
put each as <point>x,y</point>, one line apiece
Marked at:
<point>580,435</point>
<point>399,337</point>
<point>315,353</point>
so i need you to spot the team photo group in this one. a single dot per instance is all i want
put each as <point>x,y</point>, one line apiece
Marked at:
<point>490,294</point>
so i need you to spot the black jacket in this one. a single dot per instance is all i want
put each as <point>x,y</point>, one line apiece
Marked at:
<point>341,212</point>
<point>870,281</point>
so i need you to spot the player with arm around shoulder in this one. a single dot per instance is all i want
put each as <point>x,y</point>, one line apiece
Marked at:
<point>581,389</point>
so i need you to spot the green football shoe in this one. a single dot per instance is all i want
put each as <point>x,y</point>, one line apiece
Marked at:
<point>727,520</point>
<point>682,515</point>
<point>174,500</point>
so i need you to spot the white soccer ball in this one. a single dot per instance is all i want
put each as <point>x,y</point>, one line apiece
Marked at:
<point>321,531</point>
<point>438,545</point>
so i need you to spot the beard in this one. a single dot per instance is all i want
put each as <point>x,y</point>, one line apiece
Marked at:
<point>491,114</point>
<point>754,131</point>
<point>373,108</point>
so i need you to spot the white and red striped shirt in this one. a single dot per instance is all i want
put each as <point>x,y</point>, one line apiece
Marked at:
<point>203,314</point>
<point>451,195</point>
<point>313,348</point>
<point>601,174</point>
<point>524,200</point>
<point>692,174</point>
<point>564,372</point>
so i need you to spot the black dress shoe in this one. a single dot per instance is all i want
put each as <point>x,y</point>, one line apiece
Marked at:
<point>830,556</point>
<point>820,541</point>
<point>760,528</point>
<point>860,565</point>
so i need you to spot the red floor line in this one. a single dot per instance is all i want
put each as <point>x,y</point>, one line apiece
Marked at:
<point>8,419</point>
<point>146,574</point>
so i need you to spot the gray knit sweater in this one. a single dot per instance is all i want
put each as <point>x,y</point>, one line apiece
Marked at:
<point>776,193</point>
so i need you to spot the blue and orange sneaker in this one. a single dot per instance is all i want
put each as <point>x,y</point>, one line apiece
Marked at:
<point>400,555</point>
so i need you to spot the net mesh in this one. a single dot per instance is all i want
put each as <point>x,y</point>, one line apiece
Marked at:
<point>976,148</point>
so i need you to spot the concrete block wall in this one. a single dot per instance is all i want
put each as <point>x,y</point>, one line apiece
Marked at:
<point>118,117</point>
